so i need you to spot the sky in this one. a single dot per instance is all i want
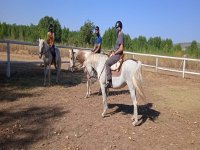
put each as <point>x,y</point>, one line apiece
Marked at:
<point>178,20</point>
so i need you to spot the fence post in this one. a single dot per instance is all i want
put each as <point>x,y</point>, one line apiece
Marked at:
<point>8,60</point>
<point>156,64</point>
<point>184,61</point>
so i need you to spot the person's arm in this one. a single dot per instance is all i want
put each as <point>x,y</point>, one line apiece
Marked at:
<point>53,38</point>
<point>97,47</point>
<point>120,49</point>
<point>94,48</point>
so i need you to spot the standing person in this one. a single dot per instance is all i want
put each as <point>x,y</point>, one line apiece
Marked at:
<point>50,40</point>
<point>116,54</point>
<point>98,41</point>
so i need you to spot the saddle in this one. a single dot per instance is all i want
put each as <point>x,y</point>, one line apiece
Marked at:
<point>116,68</point>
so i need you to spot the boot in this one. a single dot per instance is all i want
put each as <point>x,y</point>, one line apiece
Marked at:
<point>109,84</point>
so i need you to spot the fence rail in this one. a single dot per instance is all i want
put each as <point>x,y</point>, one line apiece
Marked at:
<point>156,57</point>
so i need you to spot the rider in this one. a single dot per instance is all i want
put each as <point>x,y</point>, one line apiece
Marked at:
<point>50,39</point>
<point>116,54</point>
<point>98,41</point>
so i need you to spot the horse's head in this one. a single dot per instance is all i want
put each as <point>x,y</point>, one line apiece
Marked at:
<point>72,59</point>
<point>41,47</point>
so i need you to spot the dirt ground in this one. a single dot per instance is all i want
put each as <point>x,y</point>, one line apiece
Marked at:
<point>59,117</point>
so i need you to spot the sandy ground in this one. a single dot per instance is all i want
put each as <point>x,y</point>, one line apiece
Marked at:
<point>59,117</point>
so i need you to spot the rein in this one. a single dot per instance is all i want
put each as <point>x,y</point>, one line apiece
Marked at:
<point>102,71</point>
<point>43,53</point>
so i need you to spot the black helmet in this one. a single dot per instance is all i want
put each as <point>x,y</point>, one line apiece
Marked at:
<point>118,24</point>
<point>51,27</point>
<point>97,28</point>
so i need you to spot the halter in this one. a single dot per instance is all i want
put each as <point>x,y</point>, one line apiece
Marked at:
<point>73,66</point>
<point>43,53</point>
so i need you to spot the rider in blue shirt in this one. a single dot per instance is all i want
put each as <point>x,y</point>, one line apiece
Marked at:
<point>98,41</point>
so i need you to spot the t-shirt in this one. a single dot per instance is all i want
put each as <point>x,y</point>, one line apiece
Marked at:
<point>98,40</point>
<point>50,38</point>
<point>120,40</point>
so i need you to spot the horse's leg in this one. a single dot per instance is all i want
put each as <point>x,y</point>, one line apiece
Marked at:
<point>45,74</point>
<point>105,105</point>
<point>58,67</point>
<point>134,100</point>
<point>88,88</point>
<point>49,71</point>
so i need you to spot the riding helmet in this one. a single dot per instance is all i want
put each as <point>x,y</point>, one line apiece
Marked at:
<point>51,27</point>
<point>97,28</point>
<point>118,24</point>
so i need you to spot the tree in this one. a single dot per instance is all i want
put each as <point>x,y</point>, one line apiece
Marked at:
<point>86,33</point>
<point>57,30</point>
<point>65,35</point>
<point>109,38</point>
<point>43,28</point>
<point>127,42</point>
<point>193,50</point>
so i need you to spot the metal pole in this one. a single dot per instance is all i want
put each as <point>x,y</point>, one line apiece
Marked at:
<point>8,60</point>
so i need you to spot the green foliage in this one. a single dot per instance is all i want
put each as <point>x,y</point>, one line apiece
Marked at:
<point>65,35</point>
<point>85,38</point>
<point>193,50</point>
<point>86,33</point>
<point>109,38</point>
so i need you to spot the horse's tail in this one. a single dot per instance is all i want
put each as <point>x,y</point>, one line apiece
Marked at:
<point>137,80</point>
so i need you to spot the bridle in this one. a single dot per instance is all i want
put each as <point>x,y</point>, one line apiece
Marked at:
<point>42,51</point>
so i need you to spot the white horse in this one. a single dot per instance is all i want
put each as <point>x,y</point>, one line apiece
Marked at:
<point>48,58</point>
<point>80,56</point>
<point>130,75</point>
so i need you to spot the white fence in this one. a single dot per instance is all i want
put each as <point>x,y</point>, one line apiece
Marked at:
<point>8,42</point>
<point>157,67</point>
<point>156,57</point>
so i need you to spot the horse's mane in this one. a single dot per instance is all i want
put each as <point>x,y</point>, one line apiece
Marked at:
<point>94,58</point>
<point>80,57</point>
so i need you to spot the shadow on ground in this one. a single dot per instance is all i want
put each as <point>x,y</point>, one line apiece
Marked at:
<point>22,128</point>
<point>29,76</point>
<point>146,111</point>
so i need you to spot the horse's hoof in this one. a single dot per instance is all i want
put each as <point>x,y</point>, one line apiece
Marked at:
<point>136,123</point>
<point>139,117</point>
<point>132,118</point>
<point>103,115</point>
